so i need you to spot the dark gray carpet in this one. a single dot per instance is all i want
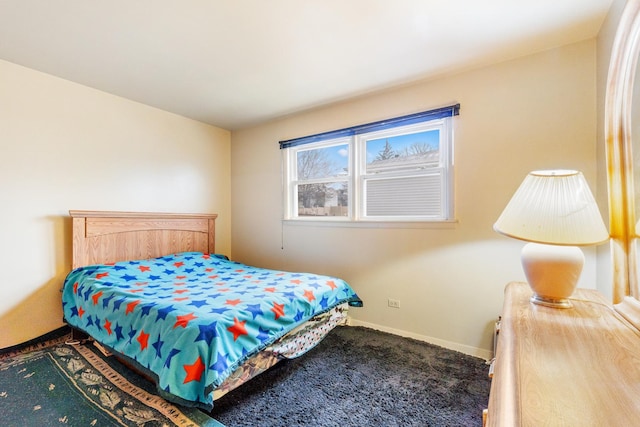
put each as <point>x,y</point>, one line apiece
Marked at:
<point>362,377</point>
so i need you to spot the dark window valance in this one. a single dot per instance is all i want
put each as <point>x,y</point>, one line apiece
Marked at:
<point>438,113</point>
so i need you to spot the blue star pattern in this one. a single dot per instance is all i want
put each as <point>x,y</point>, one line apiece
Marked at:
<point>191,318</point>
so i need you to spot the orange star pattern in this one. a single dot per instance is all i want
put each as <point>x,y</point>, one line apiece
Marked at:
<point>237,329</point>
<point>107,326</point>
<point>308,294</point>
<point>278,309</point>
<point>184,320</point>
<point>131,306</point>
<point>96,297</point>
<point>143,339</point>
<point>194,371</point>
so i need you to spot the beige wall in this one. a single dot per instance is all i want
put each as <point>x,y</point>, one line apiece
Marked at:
<point>531,113</point>
<point>65,146</point>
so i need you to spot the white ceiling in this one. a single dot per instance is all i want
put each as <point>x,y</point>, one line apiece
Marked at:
<point>235,63</point>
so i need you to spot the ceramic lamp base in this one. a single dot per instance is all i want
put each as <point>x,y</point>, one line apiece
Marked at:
<point>552,272</point>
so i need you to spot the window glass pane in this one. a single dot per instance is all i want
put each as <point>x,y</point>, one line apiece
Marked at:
<point>405,196</point>
<point>325,162</point>
<point>396,173</point>
<point>323,199</point>
<point>403,152</point>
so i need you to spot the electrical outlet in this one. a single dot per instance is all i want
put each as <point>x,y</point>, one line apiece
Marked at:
<point>394,303</point>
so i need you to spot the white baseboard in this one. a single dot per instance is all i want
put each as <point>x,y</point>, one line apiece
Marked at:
<point>471,351</point>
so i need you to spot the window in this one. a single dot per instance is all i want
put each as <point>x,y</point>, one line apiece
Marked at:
<point>395,170</point>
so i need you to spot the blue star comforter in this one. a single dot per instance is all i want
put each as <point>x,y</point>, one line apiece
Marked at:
<point>191,319</point>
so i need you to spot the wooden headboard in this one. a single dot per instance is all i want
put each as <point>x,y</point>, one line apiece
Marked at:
<point>105,237</point>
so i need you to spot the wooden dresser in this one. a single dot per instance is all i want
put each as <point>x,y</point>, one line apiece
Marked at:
<point>564,367</point>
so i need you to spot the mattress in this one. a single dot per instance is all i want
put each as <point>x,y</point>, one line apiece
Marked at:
<point>191,320</point>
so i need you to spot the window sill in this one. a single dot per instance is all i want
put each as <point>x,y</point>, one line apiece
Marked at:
<point>440,225</point>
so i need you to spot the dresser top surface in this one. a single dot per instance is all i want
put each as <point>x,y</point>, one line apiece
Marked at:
<point>576,366</point>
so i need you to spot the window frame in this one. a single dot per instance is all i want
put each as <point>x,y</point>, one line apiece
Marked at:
<point>357,177</point>
<point>292,182</point>
<point>445,166</point>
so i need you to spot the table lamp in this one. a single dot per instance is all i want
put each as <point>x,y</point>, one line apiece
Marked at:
<point>555,212</point>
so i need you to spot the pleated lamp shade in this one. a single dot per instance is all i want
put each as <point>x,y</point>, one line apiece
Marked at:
<point>553,207</point>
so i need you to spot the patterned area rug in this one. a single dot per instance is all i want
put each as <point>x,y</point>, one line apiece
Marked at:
<point>53,382</point>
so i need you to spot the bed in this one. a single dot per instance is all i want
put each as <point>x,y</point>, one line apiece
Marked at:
<point>150,289</point>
